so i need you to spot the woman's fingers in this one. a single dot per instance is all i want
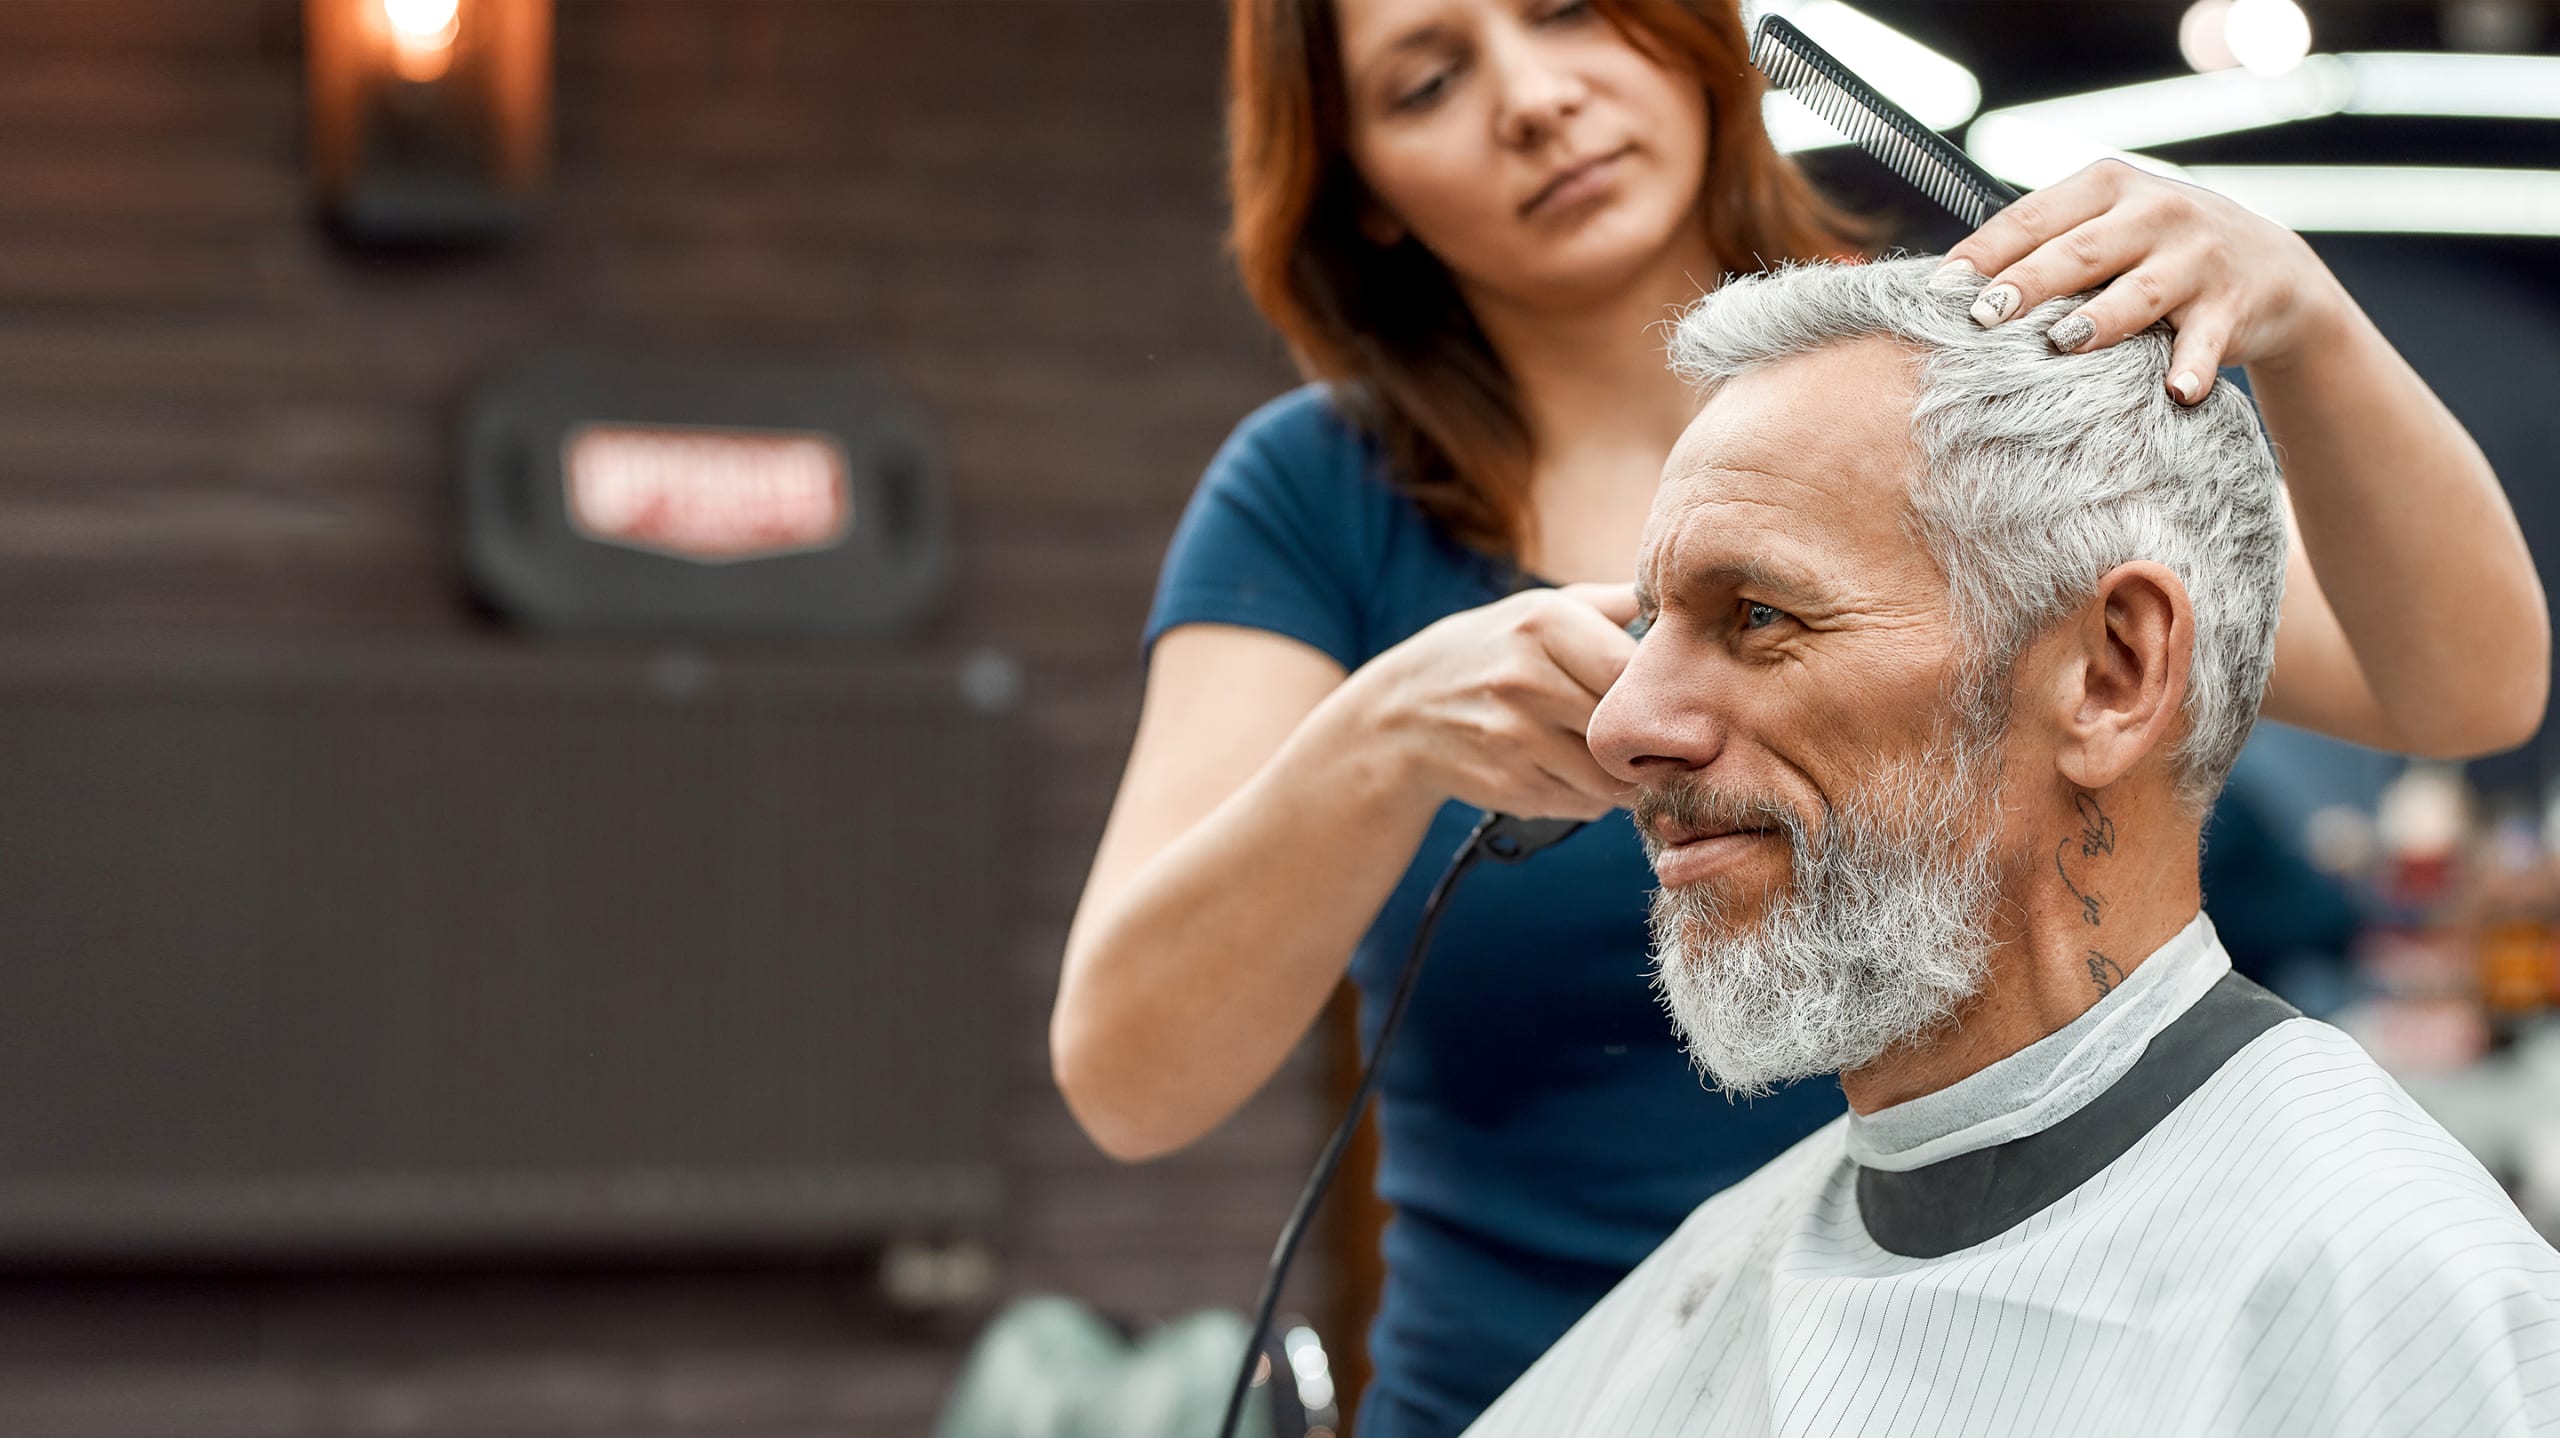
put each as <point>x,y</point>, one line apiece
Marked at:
<point>1617,601</point>
<point>2143,278</point>
<point>2202,340</point>
<point>2033,220</point>
<point>2094,231</point>
<point>2142,286</point>
<point>2101,252</point>
<point>1589,642</point>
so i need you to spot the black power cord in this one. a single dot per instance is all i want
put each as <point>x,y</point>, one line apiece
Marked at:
<point>1503,839</point>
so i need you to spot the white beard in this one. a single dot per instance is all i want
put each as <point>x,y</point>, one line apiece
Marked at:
<point>1879,938</point>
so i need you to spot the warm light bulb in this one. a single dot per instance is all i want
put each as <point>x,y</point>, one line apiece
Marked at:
<point>422,34</point>
<point>2268,37</point>
<point>423,22</point>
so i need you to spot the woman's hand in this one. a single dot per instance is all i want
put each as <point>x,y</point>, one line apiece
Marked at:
<point>2238,289</point>
<point>2392,500</point>
<point>1270,808</point>
<point>1490,705</point>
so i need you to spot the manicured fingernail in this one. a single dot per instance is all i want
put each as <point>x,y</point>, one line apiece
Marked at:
<point>2186,387</point>
<point>1953,273</point>
<point>1995,305</point>
<point>2071,333</point>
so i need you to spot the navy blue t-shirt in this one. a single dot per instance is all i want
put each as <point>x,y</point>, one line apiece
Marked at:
<point>1542,1129</point>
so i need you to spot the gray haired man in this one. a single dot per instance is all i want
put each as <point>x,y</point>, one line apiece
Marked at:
<point>1952,641</point>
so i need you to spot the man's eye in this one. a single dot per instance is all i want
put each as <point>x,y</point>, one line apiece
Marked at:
<point>1570,10</point>
<point>1760,616</point>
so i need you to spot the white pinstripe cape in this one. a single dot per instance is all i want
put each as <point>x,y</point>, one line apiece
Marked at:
<point>2296,1249</point>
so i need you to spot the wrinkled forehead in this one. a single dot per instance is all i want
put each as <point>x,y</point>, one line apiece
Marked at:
<point>1803,466</point>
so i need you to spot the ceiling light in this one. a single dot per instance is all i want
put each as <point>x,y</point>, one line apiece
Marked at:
<point>2267,36</point>
<point>2036,144</point>
<point>2202,35</point>
<point>423,21</point>
<point>2039,143</point>
<point>2393,199</point>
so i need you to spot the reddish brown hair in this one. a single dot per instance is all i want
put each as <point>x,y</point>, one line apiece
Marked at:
<point>1388,323</point>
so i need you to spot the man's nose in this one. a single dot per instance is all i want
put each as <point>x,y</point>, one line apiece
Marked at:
<point>1658,719</point>
<point>1537,94</point>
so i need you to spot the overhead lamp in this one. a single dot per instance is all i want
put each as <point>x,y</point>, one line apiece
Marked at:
<point>2393,199</point>
<point>2036,144</point>
<point>2203,36</point>
<point>2268,37</point>
<point>1939,92</point>
<point>429,119</point>
<point>2071,130</point>
<point>2040,142</point>
<point>422,33</point>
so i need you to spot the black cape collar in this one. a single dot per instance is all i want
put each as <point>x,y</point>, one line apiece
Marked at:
<point>1940,1208</point>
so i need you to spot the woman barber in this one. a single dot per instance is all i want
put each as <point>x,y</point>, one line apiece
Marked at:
<point>1399,592</point>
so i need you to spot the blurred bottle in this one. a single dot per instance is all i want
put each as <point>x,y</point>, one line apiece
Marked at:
<point>2421,822</point>
<point>2339,840</point>
<point>2418,957</point>
<point>2512,908</point>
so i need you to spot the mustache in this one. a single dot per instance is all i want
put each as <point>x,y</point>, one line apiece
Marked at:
<point>1691,803</point>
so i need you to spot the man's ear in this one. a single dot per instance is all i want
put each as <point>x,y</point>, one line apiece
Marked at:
<point>2123,674</point>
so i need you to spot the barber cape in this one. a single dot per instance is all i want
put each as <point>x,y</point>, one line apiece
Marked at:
<point>2191,1211</point>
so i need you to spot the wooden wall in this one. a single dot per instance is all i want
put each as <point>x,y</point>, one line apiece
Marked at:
<point>216,423</point>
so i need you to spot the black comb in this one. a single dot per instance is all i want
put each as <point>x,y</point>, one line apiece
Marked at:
<point>1800,68</point>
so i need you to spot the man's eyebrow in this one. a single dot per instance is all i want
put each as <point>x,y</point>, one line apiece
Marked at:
<point>1755,573</point>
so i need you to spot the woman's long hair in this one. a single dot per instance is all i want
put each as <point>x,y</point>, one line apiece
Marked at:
<point>1387,323</point>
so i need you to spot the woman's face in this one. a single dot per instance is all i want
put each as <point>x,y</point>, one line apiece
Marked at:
<point>1527,143</point>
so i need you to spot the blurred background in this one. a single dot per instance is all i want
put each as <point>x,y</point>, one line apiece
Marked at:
<point>569,586</point>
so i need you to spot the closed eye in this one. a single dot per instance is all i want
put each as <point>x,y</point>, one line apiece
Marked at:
<point>1420,96</point>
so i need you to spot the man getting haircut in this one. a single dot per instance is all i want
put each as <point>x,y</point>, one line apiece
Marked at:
<point>1953,639</point>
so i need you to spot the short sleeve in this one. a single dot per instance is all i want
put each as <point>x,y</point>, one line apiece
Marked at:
<point>1281,534</point>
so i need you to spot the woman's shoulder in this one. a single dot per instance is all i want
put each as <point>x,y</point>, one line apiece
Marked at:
<point>1305,442</point>
<point>1298,512</point>
<point>1301,466</point>
<point>1313,413</point>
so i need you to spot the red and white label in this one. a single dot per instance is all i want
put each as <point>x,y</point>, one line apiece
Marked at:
<point>714,496</point>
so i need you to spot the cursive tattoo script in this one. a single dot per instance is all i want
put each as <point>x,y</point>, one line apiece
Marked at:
<point>2097,831</point>
<point>2104,973</point>
<point>2097,838</point>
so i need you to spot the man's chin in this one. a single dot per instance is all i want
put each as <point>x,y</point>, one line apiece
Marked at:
<point>1760,1007</point>
<point>1749,1060</point>
<point>1718,912</point>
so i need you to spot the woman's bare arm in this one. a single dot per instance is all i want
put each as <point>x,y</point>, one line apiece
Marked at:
<point>2413,619</point>
<point>1249,848</point>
